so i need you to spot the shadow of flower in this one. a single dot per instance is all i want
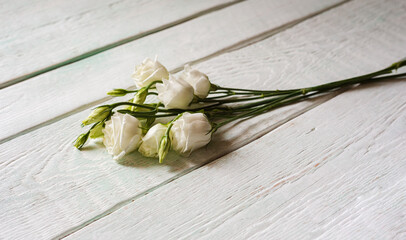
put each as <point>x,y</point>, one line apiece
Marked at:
<point>136,160</point>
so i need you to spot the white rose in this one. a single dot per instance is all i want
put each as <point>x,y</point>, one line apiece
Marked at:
<point>198,80</point>
<point>148,72</point>
<point>190,132</point>
<point>175,93</point>
<point>150,142</point>
<point>122,134</point>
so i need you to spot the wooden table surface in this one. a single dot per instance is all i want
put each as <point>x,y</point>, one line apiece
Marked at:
<point>330,168</point>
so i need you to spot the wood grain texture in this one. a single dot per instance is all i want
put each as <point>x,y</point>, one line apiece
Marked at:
<point>68,88</point>
<point>49,188</point>
<point>335,172</point>
<point>36,36</point>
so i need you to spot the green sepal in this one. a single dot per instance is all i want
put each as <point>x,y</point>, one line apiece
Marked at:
<point>164,147</point>
<point>98,115</point>
<point>97,131</point>
<point>81,140</point>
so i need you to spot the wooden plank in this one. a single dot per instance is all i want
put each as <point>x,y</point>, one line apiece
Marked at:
<point>336,172</point>
<point>38,36</point>
<point>66,89</point>
<point>51,189</point>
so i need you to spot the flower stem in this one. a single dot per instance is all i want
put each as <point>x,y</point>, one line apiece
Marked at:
<point>305,92</point>
<point>348,81</point>
<point>276,92</point>
<point>114,105</point>
<point>146,114</point>
<point>259,110</point>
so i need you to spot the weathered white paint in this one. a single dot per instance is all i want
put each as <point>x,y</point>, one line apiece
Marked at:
<point>335,172</point>
<point>49,187</point>
<point>58,30</point>
<point>65,89</point>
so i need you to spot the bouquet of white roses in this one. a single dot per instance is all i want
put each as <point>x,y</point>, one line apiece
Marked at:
<point>193,107</point>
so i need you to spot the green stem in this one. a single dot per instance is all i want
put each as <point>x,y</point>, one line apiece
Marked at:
<point>293,97</point>
<point>145,114</point>
<point>276,92</point>
<point>268,101</point>
<point>114,105</point>
<point>233,99</point>
<point>260,110</point>
<point>189,110</point>
<point>388,77</point>
<point>153,83</point>
<point>331,85</point>
<point>349,81</point>
<point>231,93</point>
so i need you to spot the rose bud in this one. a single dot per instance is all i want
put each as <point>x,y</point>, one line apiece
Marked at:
<point>198,80</point>
<point>190,132</point>
<point>148,72</point>
<point>122,135</point>
<point>175,93</point>
<point>150,142</point>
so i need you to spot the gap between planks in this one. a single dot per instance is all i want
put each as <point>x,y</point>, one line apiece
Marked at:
<point>233,47</point>
<point>116,44</point>
<point>262,36</point>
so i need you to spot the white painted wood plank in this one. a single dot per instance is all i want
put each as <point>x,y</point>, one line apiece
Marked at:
<point>35,35</point>
<point>65,89</point>
<point>49,187</point>
<point>336,172</point>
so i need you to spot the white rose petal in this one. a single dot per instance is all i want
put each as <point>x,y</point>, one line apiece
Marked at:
<point>198,80</point>
<point>122,135</point>
<point>190,132</point>
<point>148,72</point>
<point>150,142</point>
<point>175,93</point>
